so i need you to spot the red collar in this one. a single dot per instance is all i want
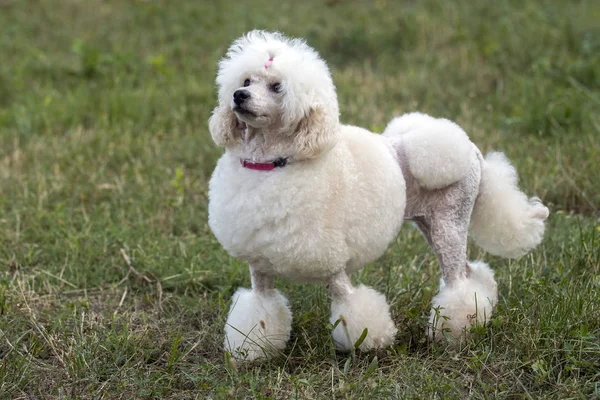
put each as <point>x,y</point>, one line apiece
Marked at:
<point>279,163</point>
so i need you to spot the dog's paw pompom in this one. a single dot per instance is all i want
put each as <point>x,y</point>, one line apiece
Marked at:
<point>466,302</point>
<point>362,308</point>
<point>258,324</point>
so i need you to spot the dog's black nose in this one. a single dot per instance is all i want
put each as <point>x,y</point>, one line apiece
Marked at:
<point>240,95</point>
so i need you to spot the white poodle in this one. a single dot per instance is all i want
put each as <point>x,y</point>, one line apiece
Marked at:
<point>299,195</point>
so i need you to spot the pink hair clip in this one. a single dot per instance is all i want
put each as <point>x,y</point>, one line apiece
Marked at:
<point>270,60</point>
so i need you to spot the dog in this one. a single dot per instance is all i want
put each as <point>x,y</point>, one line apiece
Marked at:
<point>297,194</point>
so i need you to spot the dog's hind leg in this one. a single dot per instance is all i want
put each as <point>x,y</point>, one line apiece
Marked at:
<point>259,321</point>
<point>357,309</point>
<point>447,236</point>
<point>467,289</point>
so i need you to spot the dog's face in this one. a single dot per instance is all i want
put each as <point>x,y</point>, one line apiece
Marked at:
<point>258,102</point>
<point>281,89</point>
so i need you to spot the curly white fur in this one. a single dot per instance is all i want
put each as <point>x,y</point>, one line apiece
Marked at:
<point>438,151</point>
<point>463,303</point>
<point>304,76</point>
<point>363,308</point>
<point>310,220</point>
<point>504,221</point>
<point>258,324</point>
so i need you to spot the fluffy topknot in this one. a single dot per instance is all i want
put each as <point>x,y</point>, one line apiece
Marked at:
<point>305,77</point>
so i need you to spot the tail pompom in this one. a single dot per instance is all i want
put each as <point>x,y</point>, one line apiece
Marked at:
<point>504,221</point>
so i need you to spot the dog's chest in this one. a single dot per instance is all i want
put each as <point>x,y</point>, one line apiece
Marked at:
<point>273,217</point>
<point>310,220</point>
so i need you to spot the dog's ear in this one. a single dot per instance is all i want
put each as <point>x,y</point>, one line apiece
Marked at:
<point>315,133</point>
<point>224,126</point>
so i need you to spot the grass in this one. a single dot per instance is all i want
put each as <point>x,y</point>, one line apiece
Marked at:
<point>112,285</point>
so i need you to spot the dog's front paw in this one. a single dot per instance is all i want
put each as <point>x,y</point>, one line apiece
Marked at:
<point>258,325</point>
<point>362,308</point>
<point>466,302</point>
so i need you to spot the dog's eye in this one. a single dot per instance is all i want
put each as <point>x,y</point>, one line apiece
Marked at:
<point>276,87</point>
<point>247,82</point>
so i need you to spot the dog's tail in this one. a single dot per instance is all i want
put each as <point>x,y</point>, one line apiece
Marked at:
<point>504,221</point>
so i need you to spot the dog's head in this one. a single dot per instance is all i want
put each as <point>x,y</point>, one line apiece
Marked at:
<point>278,87</point>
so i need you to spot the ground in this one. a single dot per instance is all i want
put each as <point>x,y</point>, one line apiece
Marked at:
<point>111,283</point>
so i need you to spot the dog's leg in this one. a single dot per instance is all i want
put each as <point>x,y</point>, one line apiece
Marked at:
<point>259,321</point>
<point>468,291</point>
<point>358,308</point>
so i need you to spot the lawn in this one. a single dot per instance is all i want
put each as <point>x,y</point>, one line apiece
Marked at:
<point>111,283</point>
